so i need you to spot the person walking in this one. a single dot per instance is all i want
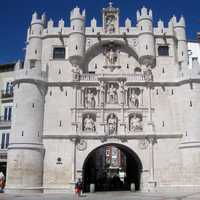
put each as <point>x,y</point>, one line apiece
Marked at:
<point>2,182</point>
<point>78,187</point>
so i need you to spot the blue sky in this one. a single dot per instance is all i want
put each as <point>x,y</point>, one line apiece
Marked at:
<point>15,16</point>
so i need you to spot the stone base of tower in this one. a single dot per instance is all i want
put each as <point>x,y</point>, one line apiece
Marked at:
<point>25,168</point>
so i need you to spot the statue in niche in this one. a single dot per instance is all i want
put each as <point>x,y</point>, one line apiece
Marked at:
<point>135,123</point>
<point>110,24</point>
<point>121,92</point>
<point>112,124</point>
<point>89,124</point>
<point>112,95</point>
<point>102,92</point>
<point>111,56</point>
<point>90,99</point>
<point>148,75</point>
<point>134,101</point>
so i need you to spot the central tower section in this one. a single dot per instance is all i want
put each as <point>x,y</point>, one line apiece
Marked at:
<point>111,19</point>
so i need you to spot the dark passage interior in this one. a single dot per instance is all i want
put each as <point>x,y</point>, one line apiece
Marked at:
<point>111,167</point>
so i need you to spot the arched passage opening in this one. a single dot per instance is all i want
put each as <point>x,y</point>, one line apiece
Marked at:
<point>99,48</point>
<point>112,167</point>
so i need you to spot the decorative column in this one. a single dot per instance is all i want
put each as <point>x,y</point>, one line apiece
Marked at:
<point>74,141</point>
<point>79,97</point>
<point>152,182</point>
<point>83,97</point>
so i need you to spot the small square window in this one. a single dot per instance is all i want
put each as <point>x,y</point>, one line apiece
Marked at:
<point>59,53</point>
<point>163,50</point>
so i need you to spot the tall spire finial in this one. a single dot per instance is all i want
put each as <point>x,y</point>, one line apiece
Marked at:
<point>110,4</point>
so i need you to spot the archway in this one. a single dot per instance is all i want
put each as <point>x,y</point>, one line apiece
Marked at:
<point>98,47</point>
<point>112,171</point>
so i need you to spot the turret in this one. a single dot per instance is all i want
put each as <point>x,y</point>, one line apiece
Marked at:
<point>26,151</point>
<point>93,23</point>
<point>128,23</point>
<point>77,36</point>
<point>145,37</point>
<point>34,45</point>
<point>180,32</point>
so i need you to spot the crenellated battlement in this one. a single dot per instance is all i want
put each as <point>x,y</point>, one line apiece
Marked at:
<point>76,13</point>
<point>144,13</point>
<point>37,19</point>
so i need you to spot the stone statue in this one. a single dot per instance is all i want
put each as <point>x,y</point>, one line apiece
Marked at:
<point>121,92</point>
<point>111,57</point>
<point>90,99</point>
<point>102,92</point>
<point>148,75</point>
<point>110,27</point>
<point>89,124</point>
<point>112,94</point>
<point>134,101</point>
<point>112,124</point>
<point>135,123</point>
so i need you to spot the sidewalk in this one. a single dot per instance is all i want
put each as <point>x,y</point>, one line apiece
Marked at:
<point>105,196</point>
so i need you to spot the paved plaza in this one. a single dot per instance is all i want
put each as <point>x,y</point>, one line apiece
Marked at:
<point>106,196</point>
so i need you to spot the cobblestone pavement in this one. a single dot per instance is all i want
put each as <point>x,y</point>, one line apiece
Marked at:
<point>105,196</point>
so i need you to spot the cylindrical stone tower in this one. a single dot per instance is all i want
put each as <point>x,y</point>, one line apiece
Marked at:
<point>77,36</point>
<point>182,48</point>
<point>25,152</point>
<point>145,37</point>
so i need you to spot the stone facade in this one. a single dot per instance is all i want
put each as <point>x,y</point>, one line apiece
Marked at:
<point>83,87</point>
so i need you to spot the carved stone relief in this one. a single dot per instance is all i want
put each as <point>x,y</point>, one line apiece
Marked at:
<point>135,122</point>
<point>134,97</point>
<point>90,97</point>
<point>89,123</point>
<point>112,93</point>
<point>112,123</point>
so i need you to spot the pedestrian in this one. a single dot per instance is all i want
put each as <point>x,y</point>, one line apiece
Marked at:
<point>78,187</point>
<point>2,182</point>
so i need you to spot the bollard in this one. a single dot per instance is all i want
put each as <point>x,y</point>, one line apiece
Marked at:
<point>92,188</point>
<point>132,187</point>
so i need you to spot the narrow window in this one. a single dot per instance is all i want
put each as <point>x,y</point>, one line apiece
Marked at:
<point>33,105</point>
<point>157,92</point>
<point>163,70</point>
<point>172,92</point>
<point>163,124</point>
<point>7,139</point>
<point>190,103</point>
<point>60,123</point>
<point>50,93</point>
<point>76,47</point>
<point>3,141</point>
<point>22,133</point>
